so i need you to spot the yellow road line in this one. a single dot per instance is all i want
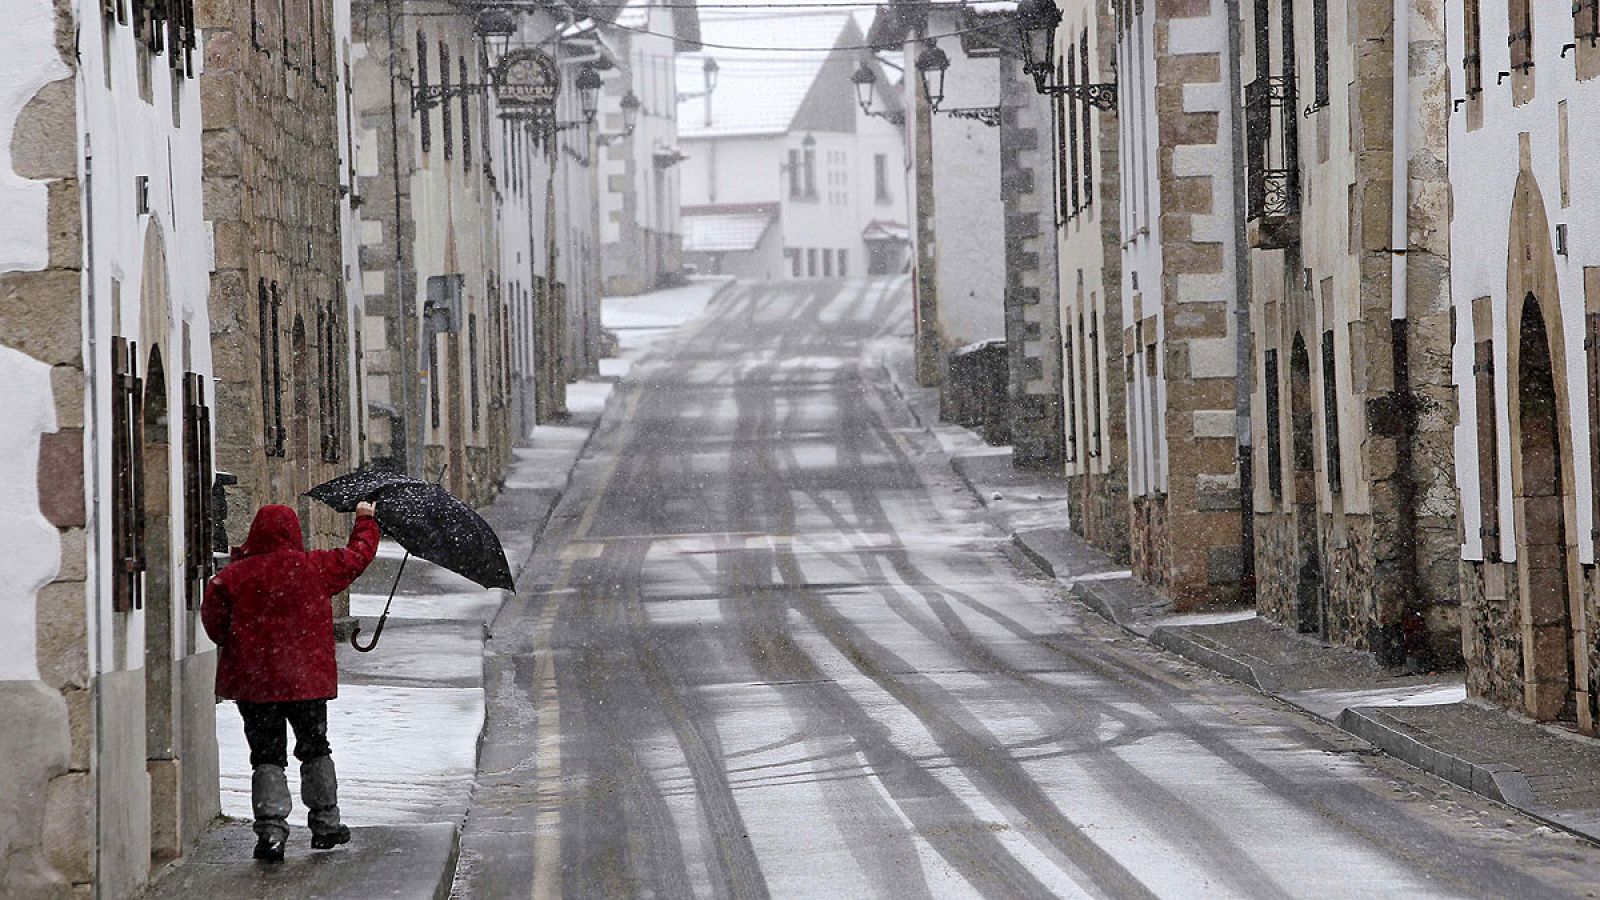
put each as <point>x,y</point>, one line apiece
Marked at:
<point>547,726</point>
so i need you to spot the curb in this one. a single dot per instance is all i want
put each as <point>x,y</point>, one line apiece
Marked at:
<point>1496,781</point>
<point>1210,654</point>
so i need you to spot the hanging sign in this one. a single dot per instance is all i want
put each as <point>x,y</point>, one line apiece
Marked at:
<point>528,83</point>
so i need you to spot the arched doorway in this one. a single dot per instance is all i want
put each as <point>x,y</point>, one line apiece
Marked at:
<point>163,589</point>
<point>1554,679</point>
<point>1542,531</point>
<point>1310,608</point>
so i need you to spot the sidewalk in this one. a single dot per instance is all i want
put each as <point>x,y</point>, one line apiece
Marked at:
<point>1425,720</point>
<point>407,724</point>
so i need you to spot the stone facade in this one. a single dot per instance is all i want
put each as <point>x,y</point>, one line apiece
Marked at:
<point>431,253</point>
<point>1032,325</point>
<point>1178,330</point>
<point>108,758</point>
<point>281,321</point>
<point>1525,287</point>
<point>1089,250</point>
<point>1353,488</point>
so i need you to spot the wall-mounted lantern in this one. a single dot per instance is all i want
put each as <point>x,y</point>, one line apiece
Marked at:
<point>866,81</point>
<point>931,64</point>
<point>1037,20</point>
<point>630,112</point>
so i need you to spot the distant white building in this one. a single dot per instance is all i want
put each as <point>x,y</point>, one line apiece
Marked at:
<point>641,233</point>
<point>786,176</point>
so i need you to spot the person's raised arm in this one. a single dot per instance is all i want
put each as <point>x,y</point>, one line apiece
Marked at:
<point>342,566</point>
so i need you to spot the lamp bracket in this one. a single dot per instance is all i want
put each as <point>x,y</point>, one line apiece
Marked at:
<point>426,96</point>
<point>988,115</point>
<point>1099,96</point>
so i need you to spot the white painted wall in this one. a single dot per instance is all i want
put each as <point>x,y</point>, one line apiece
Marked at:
<point>1483,174</point>
<point>1141,255</point>
<point>350,223</point>
<point>128,137</point>
<point>969,212</point>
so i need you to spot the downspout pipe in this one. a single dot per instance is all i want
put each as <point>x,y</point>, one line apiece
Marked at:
<point>1243,371</point>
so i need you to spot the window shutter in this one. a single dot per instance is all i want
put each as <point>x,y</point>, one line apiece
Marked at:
<point>1488,450</point>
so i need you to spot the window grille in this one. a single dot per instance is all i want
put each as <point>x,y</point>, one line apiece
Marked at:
<point>1271,149</point>
<point>466,120</point>
<point>1088,116</point>
<point>472,368</point>
<point>1330,412</point>
<point>1274,428</point>
<point>446,123</point>
<point>1073,180</point>
<point>425,120</point>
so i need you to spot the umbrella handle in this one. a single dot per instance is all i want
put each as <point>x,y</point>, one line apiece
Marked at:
<point>378,632</point>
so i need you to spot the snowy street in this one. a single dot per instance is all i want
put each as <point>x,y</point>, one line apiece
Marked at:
<point>771,646</point>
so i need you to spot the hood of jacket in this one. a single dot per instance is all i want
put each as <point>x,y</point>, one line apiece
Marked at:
<point>275,528</point>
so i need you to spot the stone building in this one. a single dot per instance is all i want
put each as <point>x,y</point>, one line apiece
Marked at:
<point>641,229</point>
<point>1347,205</point>
<point>1178,290</point>
<point>426,135</point>
<point>1525,282</point>
<point>984,286</point>
<point>1088,245</point>
<point>282,325</point>
<point>108,757</point>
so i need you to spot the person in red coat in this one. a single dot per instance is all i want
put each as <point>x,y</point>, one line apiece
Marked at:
<point>269,611</point>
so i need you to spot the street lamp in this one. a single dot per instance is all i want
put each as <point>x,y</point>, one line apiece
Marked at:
<point>866,79</point>
<point>589,84</point>
<point>1038,20</point>
<point>709,69</point>
<point>932,63</point>
<point>630,111</point>
<point>495,27</point>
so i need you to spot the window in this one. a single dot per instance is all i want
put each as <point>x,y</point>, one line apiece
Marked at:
<point>827,263</point>
<point>1488,440</point>
<point>811,262</point>
<point>1073,181</point>
<point>198,516</point>
<point>433,376</point>
<point>1472,58</point>
<point>811,171</point>
<point>1088,114</point>
<point>1330,412</point>
<point>466,119</point>
<point>1063,151</point>
<point>1092,359</point>
<point>1521,37</point>
<point>796,176</point>
<point>1319,52</point>
<point>794,261</point>
<point>1070,367</point>
<point>446,124</point>
<point>329,340</point>
<point>1274,429</point>
<point>844,267</point>
<point>880,177</point>
<point>264,354</point>
<point>127,476</point>
<point>425,117</point>
<point>472,367</point>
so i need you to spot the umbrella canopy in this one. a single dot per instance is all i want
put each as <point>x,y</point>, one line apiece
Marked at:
<point>344,492</point>
<point>425,519</point>
<point>431,523</point>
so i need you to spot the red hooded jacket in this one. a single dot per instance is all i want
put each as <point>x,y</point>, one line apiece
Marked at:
<point>270,613</point>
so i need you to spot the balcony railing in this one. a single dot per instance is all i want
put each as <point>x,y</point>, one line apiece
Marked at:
<point>1273,160</point>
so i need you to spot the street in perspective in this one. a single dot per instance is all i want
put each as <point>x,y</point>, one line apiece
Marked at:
<point>488,449</point>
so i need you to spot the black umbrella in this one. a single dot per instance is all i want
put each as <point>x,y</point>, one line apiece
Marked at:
<point>426,520</point>
<point>344,492</point>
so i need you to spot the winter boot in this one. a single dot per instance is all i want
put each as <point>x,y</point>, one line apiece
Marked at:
<point>269,799</point>
<point>319,788</point>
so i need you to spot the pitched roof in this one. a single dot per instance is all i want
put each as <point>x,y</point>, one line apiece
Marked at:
<point>758,91</point>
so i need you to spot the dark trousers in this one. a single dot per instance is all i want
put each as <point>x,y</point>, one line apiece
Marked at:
<point>264,731</point>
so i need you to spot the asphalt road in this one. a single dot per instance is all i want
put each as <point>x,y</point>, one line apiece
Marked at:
<point>772,647</point>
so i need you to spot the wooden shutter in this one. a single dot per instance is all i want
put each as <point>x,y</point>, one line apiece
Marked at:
<point>1330,412</point>
<point>1591,351</point>
<point>1274,428</point>
<point>127,477</point>
<point>1488,450</point>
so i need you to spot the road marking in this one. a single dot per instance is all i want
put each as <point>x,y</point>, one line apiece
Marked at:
<point>547,725</point>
